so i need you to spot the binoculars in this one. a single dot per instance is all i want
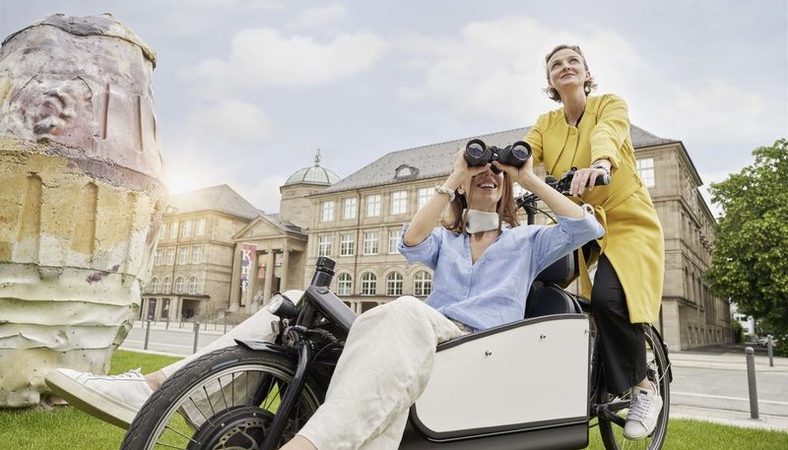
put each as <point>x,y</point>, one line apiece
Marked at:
<point>477,153</point>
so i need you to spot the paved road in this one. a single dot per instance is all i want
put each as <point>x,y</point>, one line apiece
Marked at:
<point>710,385</point>
<point>727,388</point>
<point>175,340</point>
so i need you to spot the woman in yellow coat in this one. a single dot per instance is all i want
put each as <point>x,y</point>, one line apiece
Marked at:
<point>592,134</point>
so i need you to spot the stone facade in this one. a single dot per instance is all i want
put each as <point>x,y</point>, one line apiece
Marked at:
<point>192,267</point>
<point>357,221</point>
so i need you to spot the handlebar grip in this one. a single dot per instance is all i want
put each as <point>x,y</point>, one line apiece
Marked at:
<point>603,180</point>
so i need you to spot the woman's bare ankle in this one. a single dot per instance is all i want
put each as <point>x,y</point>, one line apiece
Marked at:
<point>299,443</point>
<point>155,379</point>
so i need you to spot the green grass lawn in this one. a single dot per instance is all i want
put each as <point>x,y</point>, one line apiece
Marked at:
<point>69,428</point>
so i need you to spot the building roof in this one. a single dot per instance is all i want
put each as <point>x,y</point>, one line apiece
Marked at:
<point>220,198</point>
<point>284,225</point>
<point>313,174</point>
<point>432,160</point>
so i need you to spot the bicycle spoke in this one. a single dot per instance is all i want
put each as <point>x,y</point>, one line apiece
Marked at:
<point>221,390</point>
<point>170,428</point>
<point>200,411</point>
<point>208,397</point>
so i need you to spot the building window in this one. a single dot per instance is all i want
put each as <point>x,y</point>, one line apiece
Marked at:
<point>187,228</point>
<point>422,283</point>
<point>394,240</point>
<point>394,284</point>
<point>370,242</point>
<point>326,211</point>
<point>346,245</point>
<point>157,261</point>
<point>192,285</point>
<point>344,284</point>
<point>154,285</point>
<point>373,205</point>
<point>183,255</point>
<point>199,229</point>
<point>197,254</point>
<point>399,202</point>
<point>174,230</point>
<point>171,256</point>
<point>349,206</point>
<point>163,231</point>
<point>179,285</point>
<point>165,285</point>
<point>424,195</point>
<point>324,246</point>
<point>368,283</point>
<point>646,171</point>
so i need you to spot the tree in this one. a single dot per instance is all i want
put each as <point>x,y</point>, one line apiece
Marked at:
<point>750,260</point>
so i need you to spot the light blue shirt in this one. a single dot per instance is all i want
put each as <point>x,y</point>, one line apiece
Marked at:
<point>492,292</point>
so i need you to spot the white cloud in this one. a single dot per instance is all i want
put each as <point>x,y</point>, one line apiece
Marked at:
<point>319,17</point>
<point>266,57</point>
<point>496,68</point>
<point>264,194</point>
<point>231,120</point>
<point>251,4</point>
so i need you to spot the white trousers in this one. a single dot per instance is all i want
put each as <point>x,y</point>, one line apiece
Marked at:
<point>383,370</point>
<point>257,326</point>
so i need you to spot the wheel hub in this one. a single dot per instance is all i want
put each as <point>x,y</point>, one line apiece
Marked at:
<point>238,428</point>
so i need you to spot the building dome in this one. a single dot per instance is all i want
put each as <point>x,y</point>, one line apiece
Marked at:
<point>313,175</point>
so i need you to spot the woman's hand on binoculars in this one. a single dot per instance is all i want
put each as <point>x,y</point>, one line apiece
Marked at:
<point>462,172</point>
<point>584,179</point>
<point>521,175</point>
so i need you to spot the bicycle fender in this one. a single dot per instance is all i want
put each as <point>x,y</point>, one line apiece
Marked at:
<point>260,345</point>
<point>665,350</point>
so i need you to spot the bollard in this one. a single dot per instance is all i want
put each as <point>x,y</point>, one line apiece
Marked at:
<point>167,324</point>
<point>196,336</point>
<point>225,325</point>
<point>770,349</point>
<point>750,355</point>
<point>206,325</point>
<point>147,335</point>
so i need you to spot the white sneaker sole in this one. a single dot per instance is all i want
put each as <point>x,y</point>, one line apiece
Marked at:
<point>90,401</point>
<point>639,436</point>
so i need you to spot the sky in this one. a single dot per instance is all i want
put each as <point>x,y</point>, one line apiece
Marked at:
<point>246,91</point>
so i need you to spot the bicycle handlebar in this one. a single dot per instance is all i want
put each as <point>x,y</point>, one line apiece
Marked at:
<point>528,201</point>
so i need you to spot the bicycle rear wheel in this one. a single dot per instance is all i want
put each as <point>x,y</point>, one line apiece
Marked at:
<point>613,414</point>
<point>226,399</point>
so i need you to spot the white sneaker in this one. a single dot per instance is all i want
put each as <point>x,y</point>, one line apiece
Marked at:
<point>112,398</point>
<point>644,409</point>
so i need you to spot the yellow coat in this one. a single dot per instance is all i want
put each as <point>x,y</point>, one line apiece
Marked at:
<point>633,240</point>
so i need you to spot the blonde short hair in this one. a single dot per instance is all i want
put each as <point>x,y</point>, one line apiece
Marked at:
<point>589,84</point>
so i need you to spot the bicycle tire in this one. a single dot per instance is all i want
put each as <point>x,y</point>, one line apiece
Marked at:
<point>658,372</point>
<point>169,418</point>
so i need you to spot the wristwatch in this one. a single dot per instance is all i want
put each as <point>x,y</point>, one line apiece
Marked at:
<point>441,189</point>
<point>601,167</point>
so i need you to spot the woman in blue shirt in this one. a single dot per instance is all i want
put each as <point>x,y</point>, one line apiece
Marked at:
<point>484,264</point>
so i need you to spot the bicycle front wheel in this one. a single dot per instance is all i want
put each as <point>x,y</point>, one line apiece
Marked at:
<point>611,425</point>
<point>226,399</point>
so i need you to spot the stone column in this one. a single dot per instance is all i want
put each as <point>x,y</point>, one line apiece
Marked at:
<point>235,281</point>
<point>269,275</point>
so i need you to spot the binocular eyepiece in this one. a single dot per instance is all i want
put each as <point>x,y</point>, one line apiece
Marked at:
<point>477,153</point>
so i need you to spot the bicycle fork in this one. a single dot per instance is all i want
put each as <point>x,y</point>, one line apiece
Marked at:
<point>290,397</point>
